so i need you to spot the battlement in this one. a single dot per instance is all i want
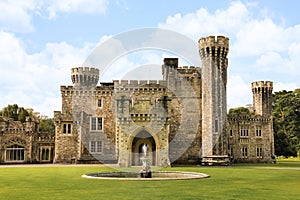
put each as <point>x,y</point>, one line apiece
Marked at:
<point>172,62</point>
<point>64,88</point>
<point>248,118</point>
<point>257,84</point>
<point>134,84</point>
<point>262,86</point>
<point>214,41</point>
<point>85,70</point>
<point>212,46</point>
<point>85,76</point>
<point>189,70</point>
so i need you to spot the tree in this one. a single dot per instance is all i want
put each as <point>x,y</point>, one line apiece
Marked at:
<point>15,112</point>
<point>239,111</point>
<point>46,125</point>
<point>286,119</point>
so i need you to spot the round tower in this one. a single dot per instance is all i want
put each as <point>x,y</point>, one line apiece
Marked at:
<point>85,76</point>
<point>213,52</point>
<point>262,97</point>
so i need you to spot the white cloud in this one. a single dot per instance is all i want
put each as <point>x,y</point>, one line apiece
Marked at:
<point>12,54</point>
<point>202,23</point>
<point>279,86</point>
<point>33,80</point>
<point>81,6</point>
<point>16,16</point>
<point>260,48</point>
<point>238,92</point>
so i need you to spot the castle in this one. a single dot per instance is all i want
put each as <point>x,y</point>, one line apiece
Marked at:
<point>182,119</point>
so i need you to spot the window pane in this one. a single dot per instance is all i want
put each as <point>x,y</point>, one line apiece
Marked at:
<point>93,125</point>
<point>99,146</point>
<point>99,123</point>
<point>93,146</point>
<point>69,128</point>
<point>64,128</point>
<point>99,103</point>
<point>216,126</point>
<point>15,153</point>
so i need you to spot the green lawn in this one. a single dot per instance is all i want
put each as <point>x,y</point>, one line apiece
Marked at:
<point>278,181</point>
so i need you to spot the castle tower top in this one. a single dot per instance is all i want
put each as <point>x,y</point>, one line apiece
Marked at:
<point>85,76</point>
<point>262,84</point>
<point>211,45</point>
<point>172,62</point>
<point>262,97</point>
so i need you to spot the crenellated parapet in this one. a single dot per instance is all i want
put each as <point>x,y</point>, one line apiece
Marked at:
<point>85,76</point>
<point>249,118</point>
<point>171,62</point>
<point>212,46</point>
<point>262,86</point>
<point>189,70</point>
<point>10,126</point>
<point>213,52</point>
<point>262,97</point>
<point>139,84</point>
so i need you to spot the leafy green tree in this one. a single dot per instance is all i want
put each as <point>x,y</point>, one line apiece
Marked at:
<point>239,111</point>
<point>46,125</point>
<point>286,119</point>
<point>22,114</point>
<point>15,112</point>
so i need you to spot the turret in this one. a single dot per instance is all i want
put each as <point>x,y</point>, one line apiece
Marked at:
<point>85,76</point>
<point>169,70</point>
<point>213,52</point>
<point>262,97</point>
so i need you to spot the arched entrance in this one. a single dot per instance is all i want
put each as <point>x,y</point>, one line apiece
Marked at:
<point>139,140</point>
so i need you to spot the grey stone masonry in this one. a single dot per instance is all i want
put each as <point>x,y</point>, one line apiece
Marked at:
<point>213,52</point>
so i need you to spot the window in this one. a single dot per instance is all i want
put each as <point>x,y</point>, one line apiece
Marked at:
<point>93,146</point>
<point>230,151</point>
<point>15,153</point>
<point>259,152</point>
<point>244,152</point>
<point>96,123</point>
<point>99,146</point>
<point>96,146</point>
<point>258,131</point>
<point>99,103</point>
<point>216,126</point>
<point>67,128</point>
<point>45,154</point>
<point>244,132</point>
<point>230,132</point>
<point>64,128</point>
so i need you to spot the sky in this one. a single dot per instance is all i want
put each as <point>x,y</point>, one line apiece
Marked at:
<point>40,41</point>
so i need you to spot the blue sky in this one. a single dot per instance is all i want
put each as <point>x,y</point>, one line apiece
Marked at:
<point>41,40</point>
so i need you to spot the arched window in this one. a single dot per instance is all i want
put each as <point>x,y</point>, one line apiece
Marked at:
<point>14,153</point>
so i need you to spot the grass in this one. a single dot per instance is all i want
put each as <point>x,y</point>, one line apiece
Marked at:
<point>259,181</point>
<point>289,159</point>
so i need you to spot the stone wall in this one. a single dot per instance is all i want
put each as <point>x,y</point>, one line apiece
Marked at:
<point>17,137</point>
<point>213,52</point>
<point>251,140</point>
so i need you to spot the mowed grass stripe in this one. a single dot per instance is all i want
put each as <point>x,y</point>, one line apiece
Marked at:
<point>237,182</point>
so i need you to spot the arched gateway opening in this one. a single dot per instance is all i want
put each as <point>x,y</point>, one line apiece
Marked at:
<point>139,140</point>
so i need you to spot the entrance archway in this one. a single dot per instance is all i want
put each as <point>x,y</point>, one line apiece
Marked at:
<point>139,140</point>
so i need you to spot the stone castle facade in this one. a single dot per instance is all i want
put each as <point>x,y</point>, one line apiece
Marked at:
<point>182,119</point>
<point>23,143</point>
